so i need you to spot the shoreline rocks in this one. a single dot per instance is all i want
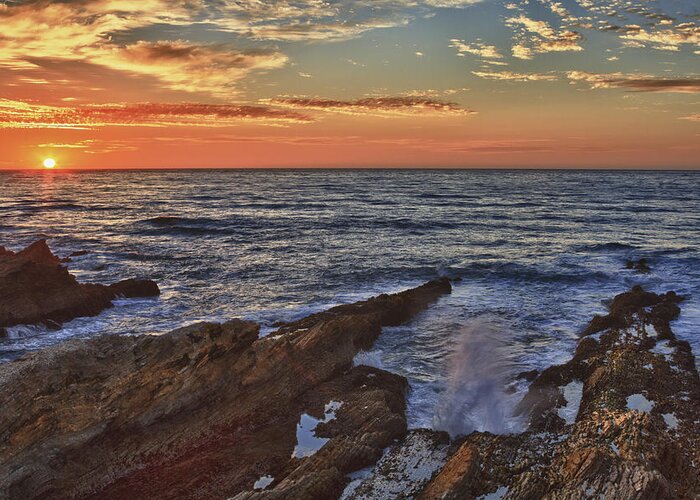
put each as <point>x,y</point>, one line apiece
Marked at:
<point>215,411</point>
<point>36,289</point>
<point>619,420</point>
<point>204,411</point>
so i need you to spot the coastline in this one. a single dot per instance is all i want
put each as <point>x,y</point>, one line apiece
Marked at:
<point>113,417</point>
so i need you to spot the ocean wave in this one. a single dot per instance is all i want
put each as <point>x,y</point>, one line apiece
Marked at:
<point>474,398</point>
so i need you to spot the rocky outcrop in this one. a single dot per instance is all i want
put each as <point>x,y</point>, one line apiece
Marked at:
<point>215,411</point>
<point>386,310</point>
<point>620,420</point>
<point>206,411</point>
<point>35,288</point>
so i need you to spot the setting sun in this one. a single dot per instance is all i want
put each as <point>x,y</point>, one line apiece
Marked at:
<point>49,163</point>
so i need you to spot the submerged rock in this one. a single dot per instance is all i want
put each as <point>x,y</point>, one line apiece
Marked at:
<point>204,411</point>
<point>35,288</point>
<point>641,266</point>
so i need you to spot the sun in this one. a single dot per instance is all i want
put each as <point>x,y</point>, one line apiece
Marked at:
<point>49,163</point>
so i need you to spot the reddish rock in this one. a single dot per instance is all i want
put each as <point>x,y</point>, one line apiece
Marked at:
<point>635,433</point>
<point>201,412</point>
<point>35,288</point>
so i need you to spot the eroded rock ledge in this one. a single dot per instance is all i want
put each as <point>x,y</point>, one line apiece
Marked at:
<point>36,289</point>
<point>214,411</point>
<point>620,420</point>
<point>204,411</point>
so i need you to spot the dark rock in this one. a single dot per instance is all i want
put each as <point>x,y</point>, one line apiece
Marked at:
<point>202,412</point>
<point>132,288</point>
<point>636,301</point>
<point>36,289</point>
<point>39,253</point>
<point>641,266</point>
<point>79,253</point>
<point>387,310</point>
<point>528,375</point>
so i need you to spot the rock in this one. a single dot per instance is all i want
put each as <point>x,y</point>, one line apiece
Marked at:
<point>39,253</point>
<point>641,266</point>
<point>529,376</point>
<point>3,333</point>
<point>405,469</point>
<point>204,411</point>
<point>135,288</point>
<point>636,301</point>
<point>79,253</point>
<point>617,421</point>
<point>36,289</point>
<point>388,310</point>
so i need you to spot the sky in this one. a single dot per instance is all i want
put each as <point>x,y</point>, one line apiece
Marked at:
<point>354,83</point>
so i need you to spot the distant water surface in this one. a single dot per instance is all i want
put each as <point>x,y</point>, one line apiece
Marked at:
<point>538,253</point>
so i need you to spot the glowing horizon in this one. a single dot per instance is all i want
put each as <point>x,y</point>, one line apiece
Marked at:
<point>424,83</point>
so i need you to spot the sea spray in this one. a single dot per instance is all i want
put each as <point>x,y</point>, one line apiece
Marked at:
<point>474,398</point>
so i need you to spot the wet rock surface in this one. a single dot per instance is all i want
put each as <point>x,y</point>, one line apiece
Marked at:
<point>215,411</point>
<point>205,411</point>
<point>620,420</point>
<point>36,289</point>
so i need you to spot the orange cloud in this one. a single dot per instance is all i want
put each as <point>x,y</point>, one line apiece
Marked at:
<point>396,106</point>
<point>639,83</point>
<point>516,77</point>
<point>17,114</point>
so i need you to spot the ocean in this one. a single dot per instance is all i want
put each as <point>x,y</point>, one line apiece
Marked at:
<point>536,254</point>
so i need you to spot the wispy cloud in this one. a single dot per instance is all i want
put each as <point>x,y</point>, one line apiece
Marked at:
<point>17,114</point>
<point>385,106</point>
<point>516,77</point>
<point>638,83</point>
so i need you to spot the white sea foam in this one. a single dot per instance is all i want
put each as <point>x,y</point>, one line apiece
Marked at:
<point>670,420</point>
<point>368,358</point>
<point>263,482</point>
<point>500,493</point>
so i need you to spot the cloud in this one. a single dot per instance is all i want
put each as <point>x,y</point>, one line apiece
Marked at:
<point>87,31</point>
<point>477,48</point>
<point>638,83</point>
<point>546,39</point>
<point>692,118</point>
<point>18,114</point>
<point>664,39</point>
<point>516,77</point>
<point>391,106</point>
<point>193,68</point>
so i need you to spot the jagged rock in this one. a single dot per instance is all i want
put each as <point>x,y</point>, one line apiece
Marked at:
<point>35,288</point>
<point>203,411</point>
<point>528,376</point>
<point>637,300</point>
<point>617,421</point>
<point>135,288</point>
<point>388,310</point>
<point>405,469</point>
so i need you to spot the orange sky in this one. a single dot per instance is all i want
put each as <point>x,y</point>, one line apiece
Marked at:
<point>390,83</point>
